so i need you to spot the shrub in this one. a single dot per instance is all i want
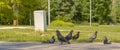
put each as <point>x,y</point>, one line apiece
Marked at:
<point>61,23</point>
<point>69,24</point>
<point>95,24</point>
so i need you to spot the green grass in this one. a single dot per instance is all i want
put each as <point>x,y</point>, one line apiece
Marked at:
<point>29,35</point>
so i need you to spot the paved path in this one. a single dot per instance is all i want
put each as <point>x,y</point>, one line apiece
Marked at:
<point>56,46</point>
<point>20,27</point>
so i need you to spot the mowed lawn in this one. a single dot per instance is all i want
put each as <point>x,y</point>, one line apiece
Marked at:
<point>30,35</point>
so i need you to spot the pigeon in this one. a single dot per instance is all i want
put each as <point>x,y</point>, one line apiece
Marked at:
<point>51,41</point>
<point>106,41</point>
<point>69,36</point>
<point>76,36</point>
<point>61,38</point>
<point>93,37</point>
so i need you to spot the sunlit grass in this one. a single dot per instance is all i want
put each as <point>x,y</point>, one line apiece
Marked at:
<point>112,32</point>
<point>29,35</point>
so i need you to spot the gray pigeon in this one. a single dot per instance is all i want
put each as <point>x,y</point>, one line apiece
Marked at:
<point>51,41</point>
<point>106,41</point>
<point>61,38</point>
<point>93,37</point>
<point>69,36</point>
<point>76,36</point>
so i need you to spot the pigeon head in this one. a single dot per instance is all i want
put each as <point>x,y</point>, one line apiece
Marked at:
<point>95,31</point>
<point>57,30</point>
<point>71,31</point>
<point>78,32</point>
<point>105,37</point>
<point>52,36</point>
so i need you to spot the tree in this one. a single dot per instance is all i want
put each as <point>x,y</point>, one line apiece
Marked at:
<point>15,4</point>
<point>115,11</point>
<point>78,18</point>
<point>27,9</point>
<point>101,11</point>
<point>6,13</point>
<point>76,11</point>
<point>63,9</point>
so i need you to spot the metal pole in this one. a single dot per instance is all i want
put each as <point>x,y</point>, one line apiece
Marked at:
<point>30,18</point>
<point>90,13</point>
<point>48,12</point>
<point>17,18</point>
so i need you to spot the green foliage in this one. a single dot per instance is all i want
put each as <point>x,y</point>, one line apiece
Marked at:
<point>76,11</point>
<point>28,7</point>
<point>23,9</point>
<point>115,11</point>
<point>101,10</point>
<point>95,24</point>
<point>65,9</point>
<point>6,13</point>
<point>61,23</point>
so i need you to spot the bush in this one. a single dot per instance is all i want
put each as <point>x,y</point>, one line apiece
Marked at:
<point>84,23</point>
<point>95,24</point>
<point>61,23</point>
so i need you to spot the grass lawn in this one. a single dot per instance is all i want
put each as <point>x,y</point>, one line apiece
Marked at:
<point>29,35</point>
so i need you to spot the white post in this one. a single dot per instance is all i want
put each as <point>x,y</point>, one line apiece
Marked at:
<point>48,12</point>
<point>90,13</point>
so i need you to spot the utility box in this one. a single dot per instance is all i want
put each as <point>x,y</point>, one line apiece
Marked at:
<point>40,20</point>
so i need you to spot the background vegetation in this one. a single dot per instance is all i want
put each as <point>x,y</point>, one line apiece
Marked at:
<point>75,11</point>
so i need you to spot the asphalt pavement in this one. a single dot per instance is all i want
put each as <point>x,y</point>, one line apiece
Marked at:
<point>57,46</point>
